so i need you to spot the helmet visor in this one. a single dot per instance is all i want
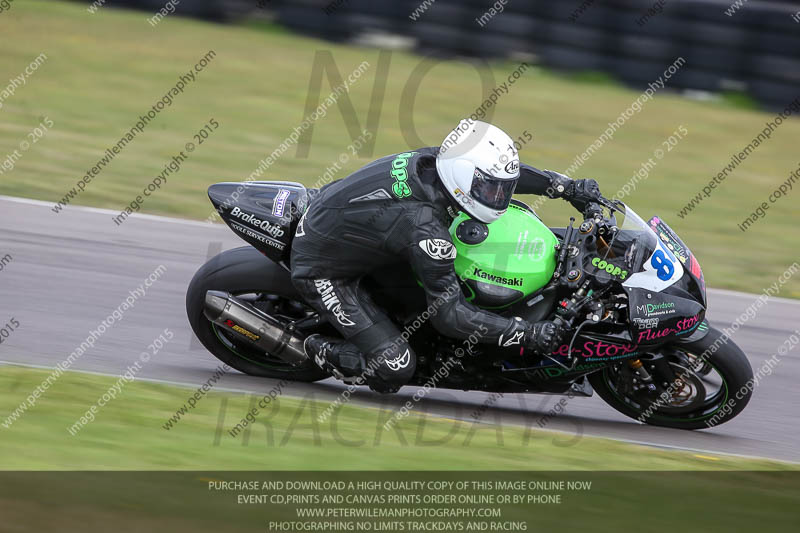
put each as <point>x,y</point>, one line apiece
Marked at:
<point>492,192</point>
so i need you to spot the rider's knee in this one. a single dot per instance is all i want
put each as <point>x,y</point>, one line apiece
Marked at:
<point>392,367</point>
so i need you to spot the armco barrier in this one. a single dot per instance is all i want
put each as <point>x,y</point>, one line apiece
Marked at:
<point>756,49</point>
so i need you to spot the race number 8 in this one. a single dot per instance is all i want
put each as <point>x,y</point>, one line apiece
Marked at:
<point>664,267</point>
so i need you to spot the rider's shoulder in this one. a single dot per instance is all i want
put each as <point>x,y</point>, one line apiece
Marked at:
<point>408,157</point>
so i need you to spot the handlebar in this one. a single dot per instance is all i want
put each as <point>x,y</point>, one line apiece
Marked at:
<point>603,202</point>
<point>593,210</point>
<point>605,226</point>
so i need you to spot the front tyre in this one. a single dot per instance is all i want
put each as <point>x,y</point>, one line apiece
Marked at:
<point>713,385</point>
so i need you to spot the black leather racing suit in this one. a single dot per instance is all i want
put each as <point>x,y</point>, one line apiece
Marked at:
<point>392,209</point>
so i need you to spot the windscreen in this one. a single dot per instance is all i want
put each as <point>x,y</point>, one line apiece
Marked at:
<point>634,242</point>
<point>653,265</point>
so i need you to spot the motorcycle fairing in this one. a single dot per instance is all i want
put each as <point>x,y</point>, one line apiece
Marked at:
<point>658,271</point>
<point>660,317</point>
<point>264,214</point>
<point>684,255</point>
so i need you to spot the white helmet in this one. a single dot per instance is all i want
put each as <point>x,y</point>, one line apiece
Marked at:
<point>479,166</point>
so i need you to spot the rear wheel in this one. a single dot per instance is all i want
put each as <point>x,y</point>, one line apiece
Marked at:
<point>710,386</point>
<point>248,275</point>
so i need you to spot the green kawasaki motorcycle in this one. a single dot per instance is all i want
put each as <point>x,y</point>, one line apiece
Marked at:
<point>630,294</point>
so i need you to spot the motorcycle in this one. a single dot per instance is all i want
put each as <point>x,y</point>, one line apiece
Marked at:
<point>629,295</point>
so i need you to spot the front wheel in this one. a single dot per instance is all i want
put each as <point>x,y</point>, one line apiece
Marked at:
<point>712,384</point>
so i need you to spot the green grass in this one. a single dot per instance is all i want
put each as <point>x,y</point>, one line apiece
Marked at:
<point>169,490</point>
<point>127,434</point>
<point>106,69</point>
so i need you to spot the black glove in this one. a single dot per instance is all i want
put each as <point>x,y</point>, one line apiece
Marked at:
<point>579,193</point>
<point>543,337</point>
<point>582,193</point>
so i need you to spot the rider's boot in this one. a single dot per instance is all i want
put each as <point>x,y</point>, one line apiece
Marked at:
<point>339,358</point>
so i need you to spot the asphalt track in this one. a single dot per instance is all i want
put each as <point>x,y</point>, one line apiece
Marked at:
<point>71,270</point>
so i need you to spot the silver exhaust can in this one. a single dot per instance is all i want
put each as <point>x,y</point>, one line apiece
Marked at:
<point>257,327</point>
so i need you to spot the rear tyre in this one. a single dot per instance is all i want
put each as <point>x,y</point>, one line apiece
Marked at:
<point>713,389</point>
<point>247,273</point>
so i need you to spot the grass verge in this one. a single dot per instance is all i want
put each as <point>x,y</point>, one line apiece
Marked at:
<point>128,434</point>
<point>105,70</point>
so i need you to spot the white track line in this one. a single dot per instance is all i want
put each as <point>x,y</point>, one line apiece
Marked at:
<point>181,384</point>
<point>101,211</point>
<point>191,385</point>
<point>432,415</point>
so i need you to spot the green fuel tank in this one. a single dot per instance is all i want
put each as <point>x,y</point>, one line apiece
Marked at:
<point>505,261</point>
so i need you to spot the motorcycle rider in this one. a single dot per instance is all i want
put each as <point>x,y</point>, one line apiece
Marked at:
<point>399,208</point>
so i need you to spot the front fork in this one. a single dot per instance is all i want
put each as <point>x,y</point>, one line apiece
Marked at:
<point>653,374</point>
